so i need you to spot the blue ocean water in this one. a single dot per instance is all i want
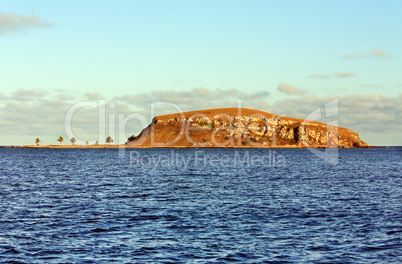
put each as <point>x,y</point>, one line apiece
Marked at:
<point>200,206</point>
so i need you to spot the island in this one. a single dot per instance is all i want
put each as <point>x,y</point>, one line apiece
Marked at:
<point>230,128</point>
<point>241,127</point>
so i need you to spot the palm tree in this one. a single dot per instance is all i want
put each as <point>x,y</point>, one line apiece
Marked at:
<point>96,143</point>
<point>73,140</point>
<point>109,140</point>
<point>60,139</point>
<point>37,141</point>
<point>86,143</point>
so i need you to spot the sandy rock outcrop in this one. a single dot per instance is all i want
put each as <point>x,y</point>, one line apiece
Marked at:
<point>233,127</point>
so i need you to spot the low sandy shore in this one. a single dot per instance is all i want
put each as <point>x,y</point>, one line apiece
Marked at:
<point>71,146</point>
<point>137,147</point>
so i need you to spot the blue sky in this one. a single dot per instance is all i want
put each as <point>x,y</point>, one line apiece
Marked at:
<point>284,57</point>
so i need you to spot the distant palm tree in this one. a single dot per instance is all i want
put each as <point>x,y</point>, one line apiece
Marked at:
<point>109,140</point>
<point>37,141</point>
<point>96,143</point>
<point>86,143</point>
<point>73,140</point>
<point>60,139</point>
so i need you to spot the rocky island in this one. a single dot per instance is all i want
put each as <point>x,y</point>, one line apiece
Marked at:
<point>241,127</point>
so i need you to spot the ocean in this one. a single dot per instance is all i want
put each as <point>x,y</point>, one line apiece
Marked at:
<point>200,206</point>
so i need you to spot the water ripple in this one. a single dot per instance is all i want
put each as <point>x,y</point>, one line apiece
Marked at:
<point>89,206</point>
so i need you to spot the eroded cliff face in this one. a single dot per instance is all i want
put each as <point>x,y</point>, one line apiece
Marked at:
<point>242,128</point>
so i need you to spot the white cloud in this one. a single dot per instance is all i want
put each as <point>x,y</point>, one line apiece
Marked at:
<point>345,74</point>
<point>368,85</point>
<point>65,97</point>
<point>379,54</point>
<point>336,75</point>
<point>93,96</point>
<point>374,54</point>
<point>27,95</point>
<point>289,89</point>
<point>319,76</point>
<point>202,92</point>
<point>3,97</point>
<point>13,22</point>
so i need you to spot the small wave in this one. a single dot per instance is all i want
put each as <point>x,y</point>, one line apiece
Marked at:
<point>394,232</point>
<point>236,257</point>
<point>321,248</point>
<point>382,247</point>
<point>11,251</point>
<point>99,230</point>
<point>145,217</point>
<point>48,252</point>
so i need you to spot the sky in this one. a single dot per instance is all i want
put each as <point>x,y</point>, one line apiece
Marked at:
<point>283,57</point>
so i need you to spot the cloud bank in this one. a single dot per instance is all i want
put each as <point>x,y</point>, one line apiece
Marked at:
<point>43,114</point>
